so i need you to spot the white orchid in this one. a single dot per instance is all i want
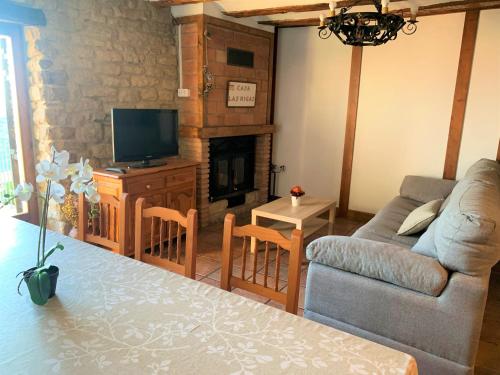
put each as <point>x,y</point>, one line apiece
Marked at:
<point>57,192</point>
<point>84,170</point>
<point>60,158</point>
<point>91,193</point>
<point>23,191</point>
<point>52,172</point>
<point>78,185</point>
<point>48,171</point>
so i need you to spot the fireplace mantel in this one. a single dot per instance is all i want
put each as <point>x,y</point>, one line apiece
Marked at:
<point>225,131</point>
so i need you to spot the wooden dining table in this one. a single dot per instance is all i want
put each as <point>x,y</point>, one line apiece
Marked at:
<point>115,315</point>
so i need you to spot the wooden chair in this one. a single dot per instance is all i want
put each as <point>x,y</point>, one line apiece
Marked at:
<point>163,235</point>
<point>109,228</point>
<point>294,246</point>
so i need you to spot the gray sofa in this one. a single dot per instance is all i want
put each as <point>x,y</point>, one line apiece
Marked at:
<point>423,294</point>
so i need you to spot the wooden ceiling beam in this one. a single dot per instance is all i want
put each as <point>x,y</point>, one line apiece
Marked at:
<point>296,8</point>
<point>168,3</point>
<point>429,10</point>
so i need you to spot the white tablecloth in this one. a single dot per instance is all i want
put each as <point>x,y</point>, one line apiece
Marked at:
<point>113,315</point>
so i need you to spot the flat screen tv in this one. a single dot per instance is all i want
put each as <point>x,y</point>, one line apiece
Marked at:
<point>142,135</point>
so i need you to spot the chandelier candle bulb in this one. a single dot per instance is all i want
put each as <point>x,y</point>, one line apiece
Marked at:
<point>385,6</point>
<point>332,6</point>
<point>413,11</point>
<point>321,20</point>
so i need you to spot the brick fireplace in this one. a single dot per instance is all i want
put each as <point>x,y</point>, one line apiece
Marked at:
<point>205,118</point>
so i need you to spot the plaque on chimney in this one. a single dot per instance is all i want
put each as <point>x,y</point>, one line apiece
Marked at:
<point>241,94</point>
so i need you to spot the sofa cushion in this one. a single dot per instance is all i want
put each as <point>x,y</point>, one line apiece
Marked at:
<point>384,226</point>
<point>467,235</point>
<point>387,262</point>
<point>425,244</point>
<point>483,169</point>
<point>425,189</point>
<point>420,218</point>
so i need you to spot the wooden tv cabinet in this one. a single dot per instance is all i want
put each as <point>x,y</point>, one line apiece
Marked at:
<point>172,185</point>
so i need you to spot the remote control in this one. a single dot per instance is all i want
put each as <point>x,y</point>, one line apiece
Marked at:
<point>117,170</point>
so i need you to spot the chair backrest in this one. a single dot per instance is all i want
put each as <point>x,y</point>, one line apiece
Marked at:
<point>107,225</point>
<point>269,236</point>
<point>164,244</point>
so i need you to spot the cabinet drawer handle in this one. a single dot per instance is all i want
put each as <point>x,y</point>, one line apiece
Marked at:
<point>148,186</point>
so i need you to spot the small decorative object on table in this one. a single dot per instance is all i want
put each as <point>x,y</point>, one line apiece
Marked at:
<point>296,193</point>
<point>42,279</point>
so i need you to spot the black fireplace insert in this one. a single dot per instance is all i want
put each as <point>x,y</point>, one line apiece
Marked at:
<point>232,168</point>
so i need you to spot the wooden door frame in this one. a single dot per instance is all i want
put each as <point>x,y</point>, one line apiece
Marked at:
<point>16,33</point>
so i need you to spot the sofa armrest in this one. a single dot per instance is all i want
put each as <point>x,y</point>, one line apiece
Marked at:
<point>377,260</point>
<point>425,189</point>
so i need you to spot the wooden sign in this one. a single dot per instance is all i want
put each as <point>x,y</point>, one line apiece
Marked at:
<point>241,94</point>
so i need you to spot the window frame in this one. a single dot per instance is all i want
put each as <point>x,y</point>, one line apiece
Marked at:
<point>16,33</point>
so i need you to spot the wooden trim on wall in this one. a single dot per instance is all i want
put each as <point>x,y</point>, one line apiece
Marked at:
<point>461,93</point>
<point>272,108</point>
<point>350,130</point>
<point>498,151</point>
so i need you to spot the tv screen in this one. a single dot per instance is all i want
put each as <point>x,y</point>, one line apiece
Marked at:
<point>144,134</point>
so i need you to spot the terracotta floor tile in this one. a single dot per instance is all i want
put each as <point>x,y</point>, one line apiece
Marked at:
<point>205,265</point>
<point>302,293</point>
<point>303,275</point>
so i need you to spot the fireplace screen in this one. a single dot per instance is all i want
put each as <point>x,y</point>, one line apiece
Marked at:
<point>232,167</point>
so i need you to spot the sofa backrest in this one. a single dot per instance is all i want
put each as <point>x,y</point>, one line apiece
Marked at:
<point>425,189</point>
<point>467,236</point>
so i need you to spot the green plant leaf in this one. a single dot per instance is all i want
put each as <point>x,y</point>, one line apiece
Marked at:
<point>58,246</point>
<point>39,287</point>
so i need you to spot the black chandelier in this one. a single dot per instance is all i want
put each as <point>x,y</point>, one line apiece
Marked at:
<point>367,28</point>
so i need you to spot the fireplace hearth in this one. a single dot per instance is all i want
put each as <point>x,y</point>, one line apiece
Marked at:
<point>232,168</point>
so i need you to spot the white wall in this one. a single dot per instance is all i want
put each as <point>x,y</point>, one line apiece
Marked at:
<point>311,100</point>
<point>406,96</point>
<point>405,101</point>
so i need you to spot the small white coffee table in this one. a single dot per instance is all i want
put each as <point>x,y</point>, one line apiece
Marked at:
<point>304,217</point>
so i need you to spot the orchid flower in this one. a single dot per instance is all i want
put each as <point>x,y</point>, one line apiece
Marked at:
<point>23,191</point>
<point>84,169</point>
<point>91,193</point>
<point>57,192</point>
<point>48,171</point>
<point>78,185</point>
<point>60,158</point>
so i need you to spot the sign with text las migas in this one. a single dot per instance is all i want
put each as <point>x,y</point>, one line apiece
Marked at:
<point>241,94</point>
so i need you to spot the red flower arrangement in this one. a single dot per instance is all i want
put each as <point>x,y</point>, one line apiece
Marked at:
<point>297,191</point>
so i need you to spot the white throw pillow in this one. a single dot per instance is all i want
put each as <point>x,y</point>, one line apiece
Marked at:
<point>420,218</point>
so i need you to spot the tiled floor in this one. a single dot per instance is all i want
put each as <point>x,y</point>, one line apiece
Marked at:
<point>208,271</point>
<point>209,258</point>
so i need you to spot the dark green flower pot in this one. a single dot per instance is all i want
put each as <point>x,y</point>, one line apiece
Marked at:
<point>53,272</point>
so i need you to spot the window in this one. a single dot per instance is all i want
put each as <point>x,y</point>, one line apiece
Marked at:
<point>16,159</point>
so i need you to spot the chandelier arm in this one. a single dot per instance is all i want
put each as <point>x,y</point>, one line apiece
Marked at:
<point>378,5</point>
<point>366,28</point>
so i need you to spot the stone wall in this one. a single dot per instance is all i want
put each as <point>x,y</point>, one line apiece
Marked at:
<point>94,55</point>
